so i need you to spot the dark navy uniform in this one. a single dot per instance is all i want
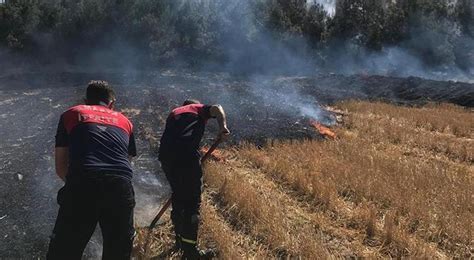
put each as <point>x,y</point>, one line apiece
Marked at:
<point>98,185</point>
<point>180,160</point>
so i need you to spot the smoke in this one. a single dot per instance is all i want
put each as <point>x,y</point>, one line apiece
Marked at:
<point>396,62</point>
<point>283,96</point>
<point>435,49</point>
<point>244,46</point>
<point>252,49</point>
<point>237,37</point>
<point>329,6</point>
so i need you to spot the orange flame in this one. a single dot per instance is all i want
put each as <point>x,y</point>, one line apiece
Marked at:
<point>323,130</point>
<point>217,155</point>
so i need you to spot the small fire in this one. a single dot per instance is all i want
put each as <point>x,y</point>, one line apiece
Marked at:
<point>217,155</point>
<point>323,130</point>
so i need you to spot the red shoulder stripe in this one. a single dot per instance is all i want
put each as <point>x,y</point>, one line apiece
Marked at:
<point>83,114</point>
<point>193,109</point>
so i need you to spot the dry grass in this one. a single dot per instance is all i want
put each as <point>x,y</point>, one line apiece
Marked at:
<point>258,209</point>
<point>398,182</point>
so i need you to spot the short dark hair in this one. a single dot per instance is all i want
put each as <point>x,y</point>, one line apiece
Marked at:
<point>99,91</point>
<point>191,101</point>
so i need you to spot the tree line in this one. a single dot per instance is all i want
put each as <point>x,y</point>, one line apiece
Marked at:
<point>439,32</point>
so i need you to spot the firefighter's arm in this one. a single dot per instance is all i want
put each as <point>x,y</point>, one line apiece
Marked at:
<point>132,148</point>
<point>218,112</point>
<point>61,158</point>
<point>61,152</point>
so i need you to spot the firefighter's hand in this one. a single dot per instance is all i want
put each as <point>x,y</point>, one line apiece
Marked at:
<point>224,134</point>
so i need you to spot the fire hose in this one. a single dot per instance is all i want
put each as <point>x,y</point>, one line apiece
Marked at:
<point>168,201</point>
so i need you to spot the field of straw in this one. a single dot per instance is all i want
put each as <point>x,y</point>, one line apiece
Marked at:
<point>396,182</point>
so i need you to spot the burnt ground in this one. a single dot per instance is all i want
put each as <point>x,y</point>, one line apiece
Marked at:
<point>259,108</point>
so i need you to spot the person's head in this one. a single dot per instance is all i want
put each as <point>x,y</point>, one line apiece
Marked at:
<point>191,102</point>
<point>99,92</point>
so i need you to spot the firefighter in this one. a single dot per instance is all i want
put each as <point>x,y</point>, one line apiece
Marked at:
<point>180,160</point>
<point>94,145</point>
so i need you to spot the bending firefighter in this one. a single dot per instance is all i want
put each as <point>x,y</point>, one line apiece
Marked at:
<point>93,146</point>
<point>181,162</point>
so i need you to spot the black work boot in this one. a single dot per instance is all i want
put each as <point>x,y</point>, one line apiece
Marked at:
<point>192,252</point>
<point>177,220</point>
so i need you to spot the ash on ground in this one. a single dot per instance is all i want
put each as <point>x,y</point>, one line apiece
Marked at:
<point>258,108</point>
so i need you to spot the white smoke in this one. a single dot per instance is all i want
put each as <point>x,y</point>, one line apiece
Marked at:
<point>282,95</point>
<point>328,5</point>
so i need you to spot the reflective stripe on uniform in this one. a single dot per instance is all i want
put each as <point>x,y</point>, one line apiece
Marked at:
<point>189,241</point>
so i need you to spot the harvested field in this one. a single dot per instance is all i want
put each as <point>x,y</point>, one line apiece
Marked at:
<point>439,137</point>
<point>396,182</point>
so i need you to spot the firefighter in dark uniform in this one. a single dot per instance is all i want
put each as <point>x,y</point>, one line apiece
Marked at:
<point>94,145</point>
<point>180,159</point>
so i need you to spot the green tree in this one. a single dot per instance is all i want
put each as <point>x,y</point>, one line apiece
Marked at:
<point>360,20</point>
<point>20,20</point>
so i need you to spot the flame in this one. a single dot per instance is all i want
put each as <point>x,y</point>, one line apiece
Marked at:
<point>323,130</point>
<point>217,155</point>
